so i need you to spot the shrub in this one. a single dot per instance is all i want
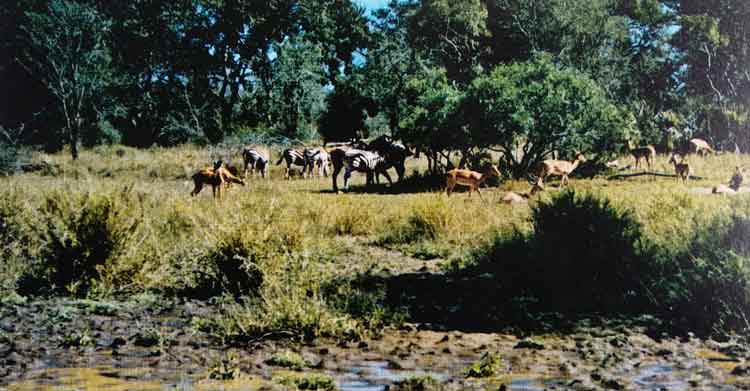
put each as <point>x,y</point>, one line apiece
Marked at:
<point>79,234</point>
<point>707,289</point>
<point>287,359</point>
<point>587,239</point>
<point>418,383</point>
<point>428,221</point>
<point>310,381</point>
<point>486,366</point>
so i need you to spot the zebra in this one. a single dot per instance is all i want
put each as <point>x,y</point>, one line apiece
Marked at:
<point>292,157</point>
<point>371,163</point>
<point>255,159</point>
<point>394,154</point>
<point>316,157</point>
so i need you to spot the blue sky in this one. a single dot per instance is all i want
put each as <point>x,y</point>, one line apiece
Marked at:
<point>372,5</point>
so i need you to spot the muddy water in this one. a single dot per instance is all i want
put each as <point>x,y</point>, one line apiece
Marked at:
<point>111,354</point>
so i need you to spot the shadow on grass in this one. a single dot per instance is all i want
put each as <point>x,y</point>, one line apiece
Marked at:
<point>584,260</point>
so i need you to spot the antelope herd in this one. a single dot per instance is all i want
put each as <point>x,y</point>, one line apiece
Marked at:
<point>377,157</point>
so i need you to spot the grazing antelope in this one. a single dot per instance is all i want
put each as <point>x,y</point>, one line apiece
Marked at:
<point>316,158</point>
<point>471,179</point>
<point>734,184</point>
<point>560,168</point>
<point>648,152</point>
<point>216,177</point>
<point>700,146</point>
<point>255,158</point>
<point>682,169</point>
<point>292,157</point>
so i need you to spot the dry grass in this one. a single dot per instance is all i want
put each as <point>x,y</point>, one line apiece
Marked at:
<point>294,232</point>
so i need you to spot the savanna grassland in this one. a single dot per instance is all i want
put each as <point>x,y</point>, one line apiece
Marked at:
<point>284,284</point>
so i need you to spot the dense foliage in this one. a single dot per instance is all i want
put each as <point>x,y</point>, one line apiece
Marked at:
<point>153,71</point>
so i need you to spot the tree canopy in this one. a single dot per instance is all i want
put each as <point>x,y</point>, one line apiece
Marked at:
<point>160,72</point>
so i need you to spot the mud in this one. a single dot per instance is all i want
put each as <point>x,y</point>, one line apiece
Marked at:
<point>148,344</point>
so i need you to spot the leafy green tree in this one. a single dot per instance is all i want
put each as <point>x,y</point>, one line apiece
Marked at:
<point>69,54</point>
<point>431,119</point>
<point>297,95</point>
<point>340,28</point>
<point>389,64</point>
<point>451,34</point>
<point>530,110</point>
<point>346,112</point>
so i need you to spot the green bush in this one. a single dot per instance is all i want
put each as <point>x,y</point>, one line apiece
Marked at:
<point>707,289</point>
<point>588,255</point>
<point>487,366</point>
<point>78,234</point>
<point>418,383</point>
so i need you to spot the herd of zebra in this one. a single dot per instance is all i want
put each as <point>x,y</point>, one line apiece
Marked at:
<point>373,159</point>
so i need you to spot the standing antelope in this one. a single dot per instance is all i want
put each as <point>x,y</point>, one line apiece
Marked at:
<point>255,158</point>
<point>216,177</point>
<point>560,168</point>
<point>682,169</point>
<point>700,146</point>
<point>471,179</point>
<point>292,157</point>
<point>648,152</point>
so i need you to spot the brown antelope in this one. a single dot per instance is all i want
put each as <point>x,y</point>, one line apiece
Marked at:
<point>734,184</point>
<point>216,177</point>
<point>700,146</point>
<point>681,169</point>
<point>560,168</point>
<point>648,152</point>
<point>516,198</point>
<point>471,179</point>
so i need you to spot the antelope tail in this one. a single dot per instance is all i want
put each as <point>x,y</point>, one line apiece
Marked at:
<point>281,159</point>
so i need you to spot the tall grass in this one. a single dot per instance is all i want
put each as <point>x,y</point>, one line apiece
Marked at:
<point>121,221</point>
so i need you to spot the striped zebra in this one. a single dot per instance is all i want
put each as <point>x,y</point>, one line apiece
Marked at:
<point>317,158</point>
<point>255,158</point>
<point>292,157</point>
<point>394,152</point>
<point>368,162</point>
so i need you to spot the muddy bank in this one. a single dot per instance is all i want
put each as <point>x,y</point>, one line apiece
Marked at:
<point>156,344</point>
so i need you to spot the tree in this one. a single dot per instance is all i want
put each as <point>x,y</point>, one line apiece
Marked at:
<point>451,33</point>
<point>69,55</point>
<point>297,97</point>
<point>530,110</point>
<point>431,119</point>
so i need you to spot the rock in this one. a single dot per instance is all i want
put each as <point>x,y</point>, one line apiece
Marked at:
<point>362,345</point>
<point>612,384</point>
<point>529,344</point>
<point>663,352</point>
<point>596,376</point>
<point>117,342</point>
<point>741,370</point>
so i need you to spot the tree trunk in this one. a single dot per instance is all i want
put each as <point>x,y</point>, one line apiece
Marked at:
<point>74,142</point>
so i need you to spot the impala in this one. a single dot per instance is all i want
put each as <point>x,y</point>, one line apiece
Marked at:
<point>682,169</point>
<point>216,177</point>
<point>471,179</point>
<point>648,152</point>
<point>700,146</point>
<point>560,168</point>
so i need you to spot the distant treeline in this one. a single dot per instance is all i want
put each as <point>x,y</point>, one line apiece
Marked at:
<point>534,76</point>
